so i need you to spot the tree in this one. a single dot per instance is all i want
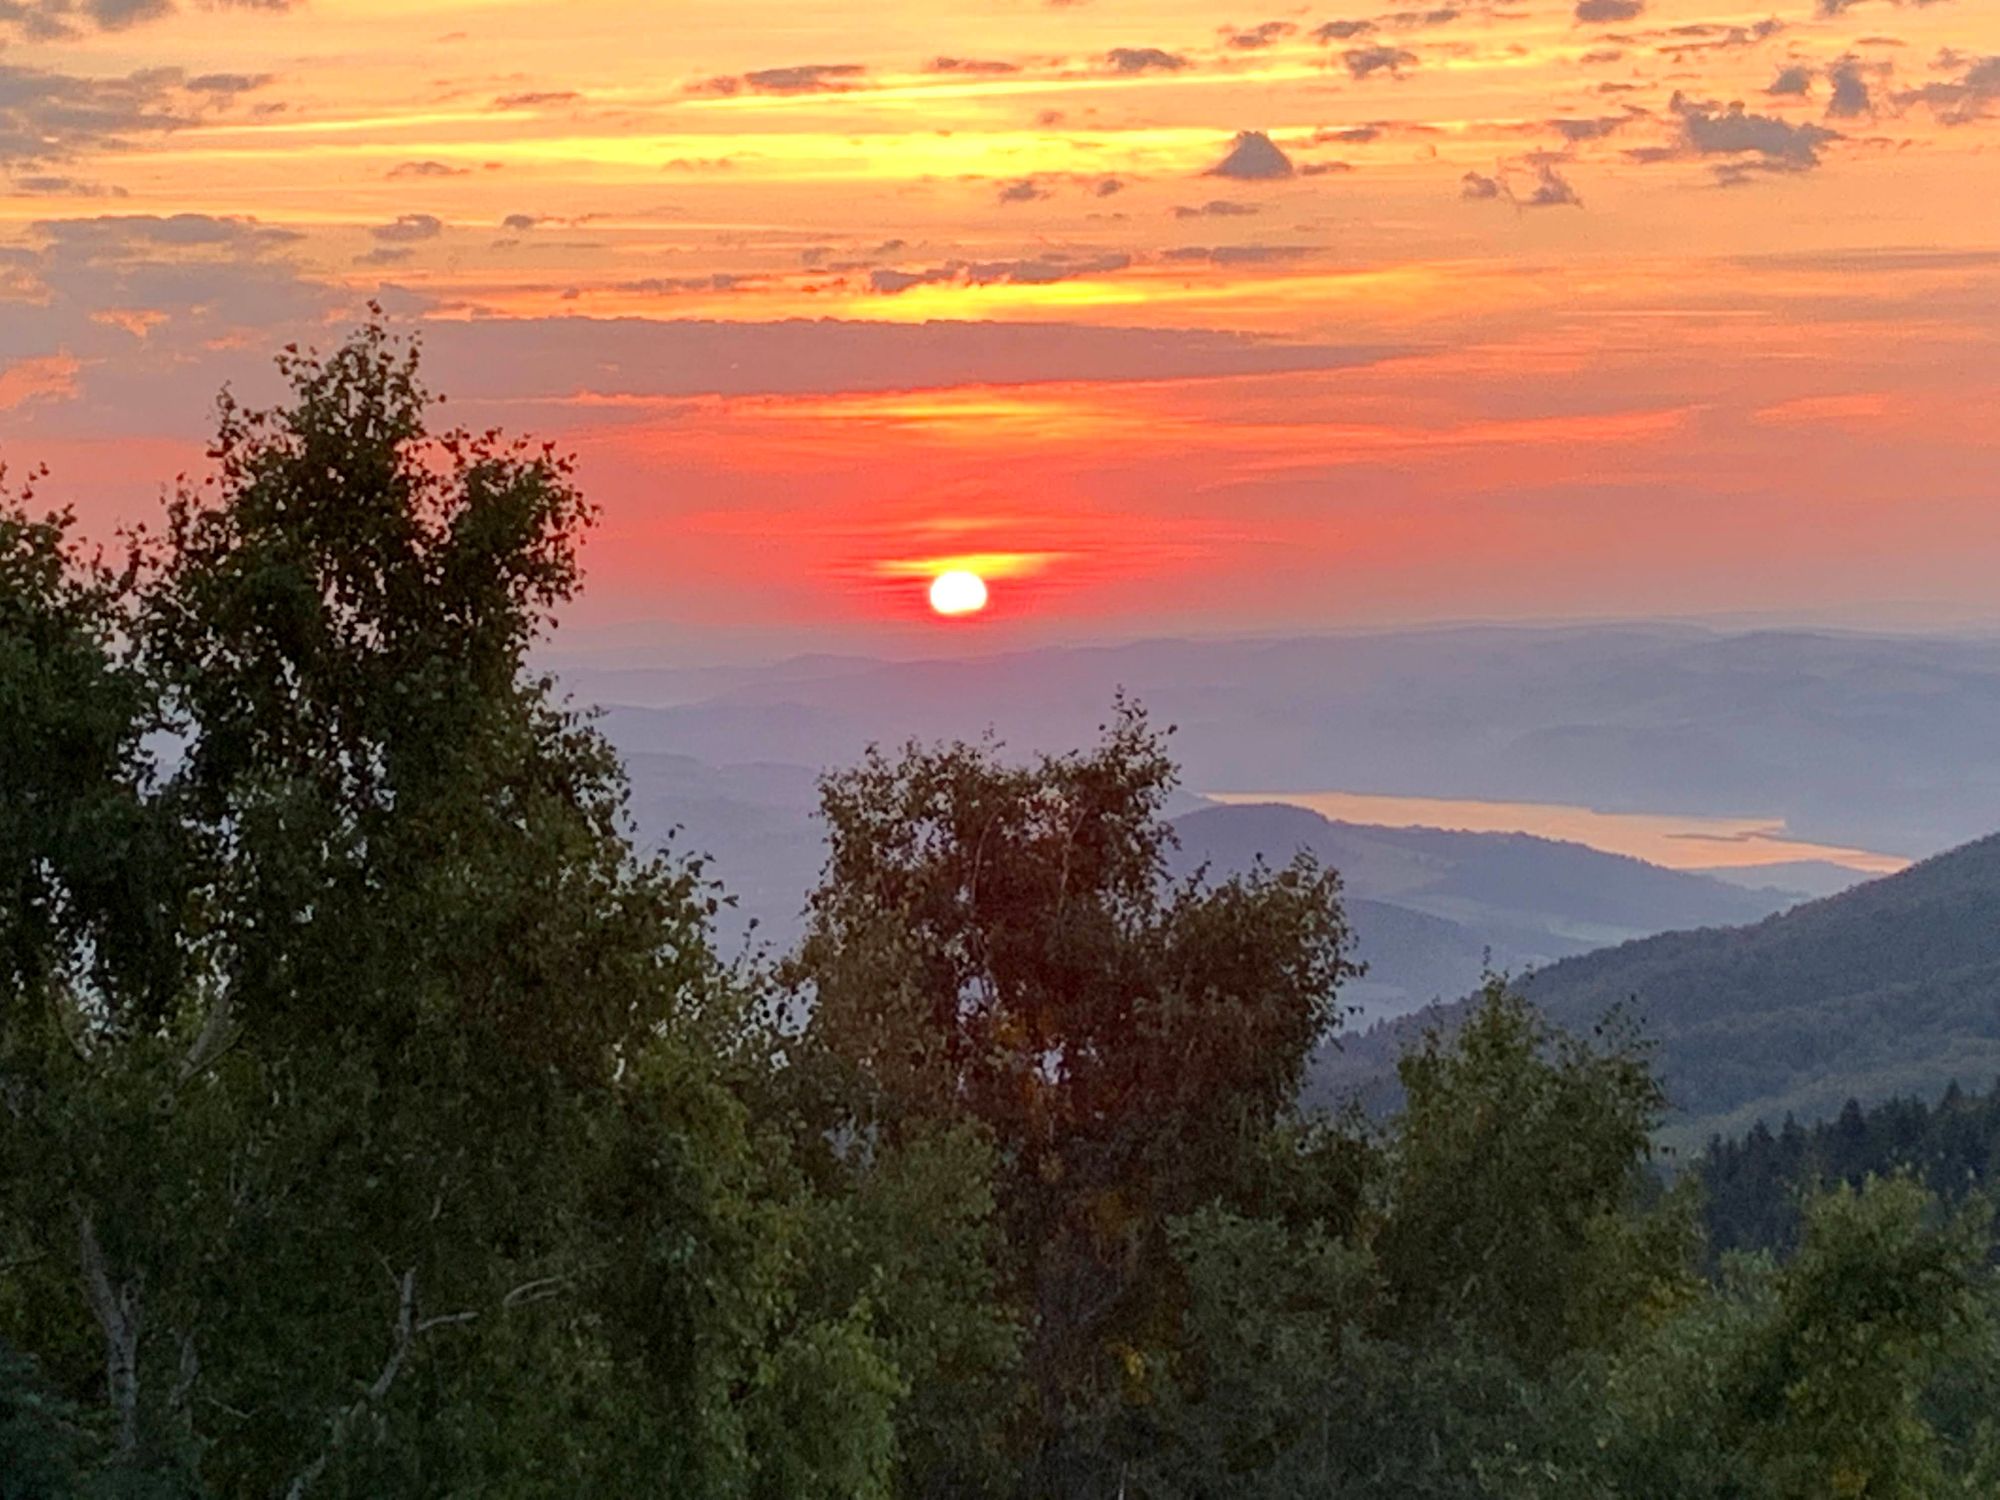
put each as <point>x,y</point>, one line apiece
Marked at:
<point>1519,1172</point>
<point>997,945</point>
<point>375,1115</point>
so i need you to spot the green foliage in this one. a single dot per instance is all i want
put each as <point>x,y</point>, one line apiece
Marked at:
<point>1754,1186</point>
<point>998,944</point>
<point>374,1122</point>
<point>1520,1171</point>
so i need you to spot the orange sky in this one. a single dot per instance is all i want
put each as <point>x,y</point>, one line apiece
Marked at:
<point>1180,317</point>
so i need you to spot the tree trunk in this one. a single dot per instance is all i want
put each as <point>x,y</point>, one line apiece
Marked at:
<point>116,1309</point>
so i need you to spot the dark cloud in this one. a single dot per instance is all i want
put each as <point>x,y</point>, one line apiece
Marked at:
<point>1417,20</point>
<point>1595,129</point>
<point>1850,99</point>
<point>408,229</point>
<point>1791,83</point>
<point>48,116</point>
<point>1342,31</point>
<point>227,83</point>
<point>1039,185</point>
<point>1144,60</point>
<point>1364,61</point>
<point>1025,190</point>
<point>1710,130</point>
<point>1041,270</point>
<point>1257,37</point>
<point>1545,185</point>
<point>1757,145</point>
<point>555,357</point>
<point>385,255</point>
<point>669,286</point>
<point>428,169</point>
<point>1325,168</point>
<point>1237,255</point>
<point>54,20</point>
<point>48,186</point>
<point>520,223</point>
<point>1357,135</point>
<point>1550,189</point>
<point>1216,208</point>
<point>536,99</point>
<point>1973,94</point>
<point>1253,157</point>
<point>1698,37</point>
<point>110,237</point>
<point>804,78</point>
<point>1608,12</point>
<point>970,65</point>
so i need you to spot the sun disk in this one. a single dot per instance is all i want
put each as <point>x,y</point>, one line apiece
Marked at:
<point>958,592</point>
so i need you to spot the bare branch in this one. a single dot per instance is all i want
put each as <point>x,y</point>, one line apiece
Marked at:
<point>343,1420</point>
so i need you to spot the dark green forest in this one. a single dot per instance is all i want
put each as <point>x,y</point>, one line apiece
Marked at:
<point>1753,1188</point>
<point>377,1120</point>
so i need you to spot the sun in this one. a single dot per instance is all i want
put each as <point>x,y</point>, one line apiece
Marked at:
<point>958,592</point>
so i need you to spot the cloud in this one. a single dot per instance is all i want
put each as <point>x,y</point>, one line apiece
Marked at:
<point>1364,61</point>
<point>56,186</point>
<point>1255,38</point>
<point>1791,83</point>
<point>427,169</point>
<point>1342,31</point>
<point>969,65</point>
<point>536,99</point>
<point>1550,189</point>
<point>667,286</point>
<point>385,255</point>
<point>1252,157</point>
<point>555,357</point>
<point>227,83</point>
<point>1041,270</point>
<point>110,237</point>
<point>47,116</point>
<point>1850,99</point>
<point>1144,60</point>
<point>1696,37</point>
<point>1594,129</point>
<point>1216,208</point>
<point>1237,255</point>
<point>1760,145</point>
<point>520,223</point>
<point>1546,187</point>
<point>1972,95</point>
<point>1039,185</point>
<point>409,228</point>
<point>1608,12</point>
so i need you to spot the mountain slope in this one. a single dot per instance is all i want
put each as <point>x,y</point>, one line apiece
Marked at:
<point>1890,988</point>
<point>1432,908</point>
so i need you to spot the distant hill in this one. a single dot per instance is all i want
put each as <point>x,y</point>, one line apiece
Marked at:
<point>1881,742</point>
<point>1891,988</point>
<point>1432,907</point>
<point>1429,908</point>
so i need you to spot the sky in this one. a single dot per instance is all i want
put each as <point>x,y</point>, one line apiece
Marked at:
<point>1162,315</point>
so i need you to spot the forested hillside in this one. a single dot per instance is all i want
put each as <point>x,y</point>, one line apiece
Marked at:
<point>1754,1187</point>
<point>1890,988</point>
<point>376,1121</point>
<point>1434,909</point>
